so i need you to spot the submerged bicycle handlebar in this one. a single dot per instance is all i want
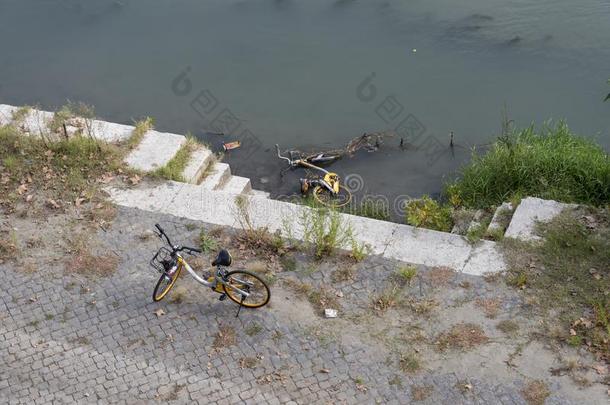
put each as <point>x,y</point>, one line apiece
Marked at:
<point>299,162</point>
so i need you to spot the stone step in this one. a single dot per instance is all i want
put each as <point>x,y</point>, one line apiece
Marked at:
<point>396,241</point>
<point>260,193</point>
<point>34,122</point>
<point>37,121</point>
<point>198,163</point>
<point>237,185</point>
<point>500,220</point>
<point>111,132</point>
<point>216,177</point>
<point>155,150</point>
<point>479,215</point>
<point>528,213</point>
<point>6,113</point>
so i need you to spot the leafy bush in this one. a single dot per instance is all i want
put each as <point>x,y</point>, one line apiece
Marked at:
<point>552,163</point>
<point>427,213</point>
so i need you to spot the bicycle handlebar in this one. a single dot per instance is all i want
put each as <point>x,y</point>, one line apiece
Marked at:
<point>277,148</point>
<point>164,234</point>
<point>298,162</point>
<point>191,249</point>
<point>176,248</point>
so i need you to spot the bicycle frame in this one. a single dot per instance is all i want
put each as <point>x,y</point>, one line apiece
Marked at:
<point>217,278</point>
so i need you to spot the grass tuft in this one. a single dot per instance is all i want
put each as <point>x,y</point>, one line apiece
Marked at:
<point>8,249</point>
<point>409,363</point>
<point>406,274</point>
<point>462,336</point>
<point>508,326</point>
<point>207,243</point>
<point>225,337</point>
<point>536,392</point>
<point>83,261</point>
<point>386,299</point>
<point>141,128</point>
<point>175,167</point>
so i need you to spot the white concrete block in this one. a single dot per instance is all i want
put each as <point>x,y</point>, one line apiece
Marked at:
<point>6,113</point>
<point>530,211</point>
<point>396,241</point>
<point>496,220</point>
<point>37,122</point>
<point>217,176</point>
<point>155,150</point>
<point>237,185</point>
<point>111,132</point>
<point>484,258</point>
<point>260,193</point>
<point>198,163</point>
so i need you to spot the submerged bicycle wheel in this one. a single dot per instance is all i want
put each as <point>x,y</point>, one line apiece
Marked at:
<point>258,290</point>
<point>165,284</point>
<point>324,197</point>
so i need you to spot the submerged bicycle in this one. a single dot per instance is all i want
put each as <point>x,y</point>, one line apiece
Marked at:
<point>243,287</point>
<point>327,190</point>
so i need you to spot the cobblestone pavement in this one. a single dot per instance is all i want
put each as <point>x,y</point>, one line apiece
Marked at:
<point>66,338</point>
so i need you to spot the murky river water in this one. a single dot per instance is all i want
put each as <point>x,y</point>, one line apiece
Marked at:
<point>318,73</point>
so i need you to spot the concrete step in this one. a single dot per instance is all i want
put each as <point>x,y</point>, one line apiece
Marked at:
<point>476,220</point>
<point>260,193</point>
<point>197,165</point>
<point>111,132</point>
<point>237,185</point>
<point>216,176</point>
<point>6,113</point>
<point>37,121</point>
<point>529,212</point>
<point>396,241</point>
<point>34,122</point>
<point>500,220</point>
<point>155,150</point>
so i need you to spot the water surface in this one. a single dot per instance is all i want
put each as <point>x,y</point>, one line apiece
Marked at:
<point>290,72</point>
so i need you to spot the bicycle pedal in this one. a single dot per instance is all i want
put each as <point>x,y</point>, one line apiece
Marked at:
<point>222,297</point>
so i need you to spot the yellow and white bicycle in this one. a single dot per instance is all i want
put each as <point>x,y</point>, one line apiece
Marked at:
<point>243,287</point>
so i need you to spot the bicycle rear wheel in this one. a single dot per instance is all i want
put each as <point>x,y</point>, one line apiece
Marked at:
<point>165,284</point>
<point>259,293</point>
<point>324,197</point>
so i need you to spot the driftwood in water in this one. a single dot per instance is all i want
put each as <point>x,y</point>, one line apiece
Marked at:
<point>369,142</point>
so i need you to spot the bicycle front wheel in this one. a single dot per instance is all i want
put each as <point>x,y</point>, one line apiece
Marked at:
<point>165,284</point>
<point>258,291</point>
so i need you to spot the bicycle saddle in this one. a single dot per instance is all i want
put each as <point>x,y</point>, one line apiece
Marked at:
<point>223,258</point>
